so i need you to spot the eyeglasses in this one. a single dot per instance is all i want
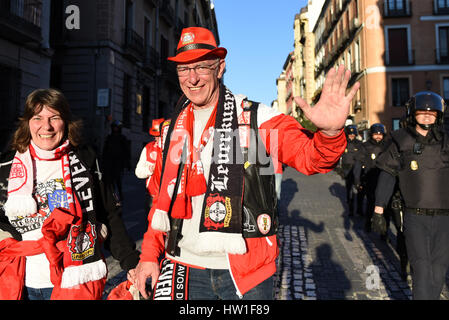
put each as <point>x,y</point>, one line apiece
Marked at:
<point>200,69</point>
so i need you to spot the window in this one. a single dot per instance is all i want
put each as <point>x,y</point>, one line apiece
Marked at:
<point>396,123</point>
<point>147,31</point>
<point>164,48</point>
<point>129,14</point>
<point>443,44</point>
<point>356,9</point>
<point>145,109</point>
<point>398,48</point>
<point>9,101</point>
<point>396,8</point>
<point>126,106</point>
<point>446,88</point>
<point>400,90</point>
<point>441,6</point>
<point>357,56</point>
<point>147,39</point>
<point>396,4</point>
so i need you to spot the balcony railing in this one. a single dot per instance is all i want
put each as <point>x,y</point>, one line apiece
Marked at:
<point>441,56</point>
<point>151,58</point>
<point>440,7</point>
<point>397,8</point>
<point>28,10</point>
<point>403,61</point>
<point>167,13</point>
<point>134,44</point>
<point>20,20</point>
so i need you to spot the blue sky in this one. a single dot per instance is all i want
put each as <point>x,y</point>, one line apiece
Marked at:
<point>258,35</point>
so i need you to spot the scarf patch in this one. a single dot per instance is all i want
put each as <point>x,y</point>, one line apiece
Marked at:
<point>84,250</point>
<point>172,283</point>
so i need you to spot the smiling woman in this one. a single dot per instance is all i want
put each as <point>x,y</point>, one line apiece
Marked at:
<point>46,121</point>
<point>55,192</point>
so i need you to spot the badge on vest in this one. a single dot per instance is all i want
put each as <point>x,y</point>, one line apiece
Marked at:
<point>264,223</point>
<point>373,156</point>
<point>414,165</point>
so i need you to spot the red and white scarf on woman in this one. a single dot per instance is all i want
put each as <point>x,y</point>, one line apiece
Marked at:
<point>80,259</point>
<point>221,221</point>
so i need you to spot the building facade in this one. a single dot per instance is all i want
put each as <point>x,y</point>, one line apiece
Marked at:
<point>394,48</point>
<point>25,57</point>
<point>113,66</point>
<point>109,57</point>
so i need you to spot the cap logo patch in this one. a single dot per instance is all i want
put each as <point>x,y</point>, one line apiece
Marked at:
<point>187,38</point>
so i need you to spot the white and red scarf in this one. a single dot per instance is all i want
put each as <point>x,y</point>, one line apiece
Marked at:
<point>80,259</point>
<point>221,222</point>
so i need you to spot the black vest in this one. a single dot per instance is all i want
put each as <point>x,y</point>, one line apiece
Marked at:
<point>259,194</point>
<point>424,172</point>
<point>372,149</point>
<point>352,149</point>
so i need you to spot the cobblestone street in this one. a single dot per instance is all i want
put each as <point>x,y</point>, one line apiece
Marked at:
<point>324,253</point>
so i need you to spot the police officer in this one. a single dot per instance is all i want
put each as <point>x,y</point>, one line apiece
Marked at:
<point>366,172</point>
<point>348,160</point>
<point>419,157</point>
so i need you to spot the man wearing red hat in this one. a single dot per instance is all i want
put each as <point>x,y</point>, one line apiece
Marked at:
<point>215,212</point>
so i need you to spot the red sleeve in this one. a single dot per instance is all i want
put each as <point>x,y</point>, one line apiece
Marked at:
<point>288,142</point>
<point>153,243</point>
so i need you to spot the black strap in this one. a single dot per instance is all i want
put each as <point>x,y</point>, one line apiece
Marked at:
<point>193,46</point>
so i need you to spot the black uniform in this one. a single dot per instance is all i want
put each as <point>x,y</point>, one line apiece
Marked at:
<point>366,174</point>
<point>116,157</point>
<point>421,164</point>
<point>348,160</point>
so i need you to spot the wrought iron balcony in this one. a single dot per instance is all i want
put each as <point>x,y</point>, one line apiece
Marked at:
<point>440,7</point>
<point>397,8</point>
<point>152,58</point>
<point>134,47</point>
<point>441,56</point>
<point>167,13</point>
<point>20,20</point>
<point>405,60</point>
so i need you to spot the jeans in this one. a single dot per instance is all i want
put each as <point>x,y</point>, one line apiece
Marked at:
<point>38,293</point>
<point>427,239</point>
<point>213,284</point>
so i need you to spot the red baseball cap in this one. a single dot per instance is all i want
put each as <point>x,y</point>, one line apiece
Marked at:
<point>195,43</point>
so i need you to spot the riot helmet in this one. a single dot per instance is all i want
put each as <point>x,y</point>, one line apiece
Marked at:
<point>425,100</point>
<point>351,129</point>
<point>377,128</point>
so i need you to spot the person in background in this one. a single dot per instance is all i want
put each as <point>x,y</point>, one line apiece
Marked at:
<point>365,170</point>
<point>348,160</point>
<point>147,160</point>
<point>116,157</point>
<point>55,209</point>
<point>419,158</point>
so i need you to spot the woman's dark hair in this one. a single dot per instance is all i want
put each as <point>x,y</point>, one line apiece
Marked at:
<point>35,102</point>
